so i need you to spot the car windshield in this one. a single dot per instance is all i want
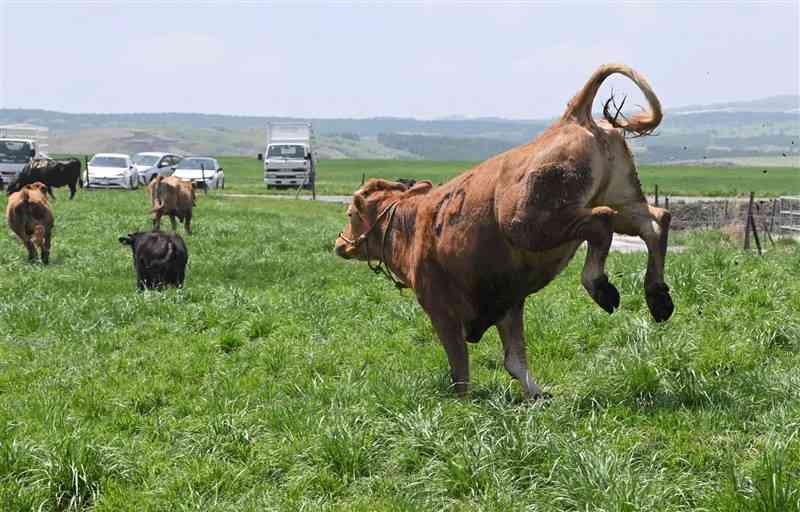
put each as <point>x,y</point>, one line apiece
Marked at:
<point>108,161</point>
<point>197,163</point>
<point>145,159</point>
<point>14,151</point>
<point>287,150</point>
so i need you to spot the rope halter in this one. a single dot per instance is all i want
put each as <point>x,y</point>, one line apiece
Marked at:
<point>382,267</point>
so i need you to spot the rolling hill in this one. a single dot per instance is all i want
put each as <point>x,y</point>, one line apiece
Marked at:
<point>766,130</point>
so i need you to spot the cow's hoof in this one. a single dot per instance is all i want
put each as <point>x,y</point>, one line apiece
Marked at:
<point>541,396</point>
<point>659,302</point>
<point>605,294</point>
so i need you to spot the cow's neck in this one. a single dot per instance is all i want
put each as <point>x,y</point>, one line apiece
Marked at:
<point>396,250</point>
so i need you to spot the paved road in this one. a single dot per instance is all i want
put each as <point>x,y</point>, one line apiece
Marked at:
<point>346,199</point>
<point>621,243</point>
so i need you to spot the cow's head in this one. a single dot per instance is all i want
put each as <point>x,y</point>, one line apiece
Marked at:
<point>369,202</point>
<point>130,239</point>
<point>39,190</point>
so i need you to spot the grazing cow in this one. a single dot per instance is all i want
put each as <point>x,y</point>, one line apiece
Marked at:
<point>53,173</point>
<point>159,258</point>
<point>474,248</point>
<point>29,216</point>
<point>174,197</point>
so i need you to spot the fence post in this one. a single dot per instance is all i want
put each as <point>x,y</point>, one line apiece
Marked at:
<point>747,222</point>
<point>755,234</point>
<point>656,195</point>
<point>772,216</point>
<point>666,202</point>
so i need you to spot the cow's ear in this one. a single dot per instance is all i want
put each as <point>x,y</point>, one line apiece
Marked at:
<point>420,187</point>
<point>126,240</point>
<point>376,184</point>
<point>359,203</point>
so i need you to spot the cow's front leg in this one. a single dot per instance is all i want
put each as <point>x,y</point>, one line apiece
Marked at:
<point>594,226</point>
<point>174,223</point>
<point>651,224</point>
<point>451,334</point>
<point>512,333</point>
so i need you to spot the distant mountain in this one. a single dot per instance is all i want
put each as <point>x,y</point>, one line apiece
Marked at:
<point>766,129</point>
<point>784,103</point>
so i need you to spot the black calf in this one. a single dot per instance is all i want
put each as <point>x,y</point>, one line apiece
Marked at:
<point>158,257</point>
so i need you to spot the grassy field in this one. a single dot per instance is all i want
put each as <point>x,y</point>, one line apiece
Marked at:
<point>283,378</point>
<point>344,176</point>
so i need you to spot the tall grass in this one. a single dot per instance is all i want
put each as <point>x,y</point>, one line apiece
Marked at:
<point>284,378</point>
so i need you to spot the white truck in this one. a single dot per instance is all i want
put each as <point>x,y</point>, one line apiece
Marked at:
<point>19,144</point>
<point>289,158</point>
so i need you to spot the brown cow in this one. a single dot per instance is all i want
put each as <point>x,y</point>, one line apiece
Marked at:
<point>174,197</point>
<point>29,216</point>
<point>474,248</point>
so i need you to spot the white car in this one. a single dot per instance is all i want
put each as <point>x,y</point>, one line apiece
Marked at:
<point>150,165</point>
<point>201,171</point>
<point>111,170</point>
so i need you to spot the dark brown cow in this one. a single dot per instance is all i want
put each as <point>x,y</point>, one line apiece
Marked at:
<point>29,216</point>
<point>474,248</point>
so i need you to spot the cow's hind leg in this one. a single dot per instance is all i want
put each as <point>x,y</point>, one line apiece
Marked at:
<point>651,224</point>
<point>72,189</point>
<point>512,333</point>
<point>31,249</point>
<point>594,226</point>
<point>156,221</point>
<point>174,223</point>
<point>187,223</point>
<point>46,246</point>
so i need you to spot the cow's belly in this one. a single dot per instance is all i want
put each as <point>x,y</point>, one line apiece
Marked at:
<point>542,267</point>
<point>498,288</point>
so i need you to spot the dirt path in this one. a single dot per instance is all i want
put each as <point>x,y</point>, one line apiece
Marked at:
<point>621,243</point>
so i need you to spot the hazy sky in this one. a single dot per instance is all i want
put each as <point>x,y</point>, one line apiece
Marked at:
<point>359,59</point>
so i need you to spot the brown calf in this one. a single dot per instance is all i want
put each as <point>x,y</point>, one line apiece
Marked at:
<point>29,216</point>
<point>174,197</point>
<point>474,248</point>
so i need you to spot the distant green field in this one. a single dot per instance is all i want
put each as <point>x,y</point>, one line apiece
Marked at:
<point>344,176</point>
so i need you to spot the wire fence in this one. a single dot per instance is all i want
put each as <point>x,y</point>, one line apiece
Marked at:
<point>774,215</point>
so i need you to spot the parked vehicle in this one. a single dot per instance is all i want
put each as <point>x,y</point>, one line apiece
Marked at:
<point>149,165</point>
<point>201,171</point>
<point>19,144</point>
<point>111,170</point>
<point>290,159</point>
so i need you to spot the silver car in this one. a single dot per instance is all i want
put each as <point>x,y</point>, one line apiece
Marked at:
<point>203,172</point>
<point>151,164</point>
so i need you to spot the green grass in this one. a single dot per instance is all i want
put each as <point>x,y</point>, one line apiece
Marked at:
<point>283,378</point>
<point>344,176</point>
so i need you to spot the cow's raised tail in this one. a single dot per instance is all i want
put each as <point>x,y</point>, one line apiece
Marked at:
<point>579,108</point>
